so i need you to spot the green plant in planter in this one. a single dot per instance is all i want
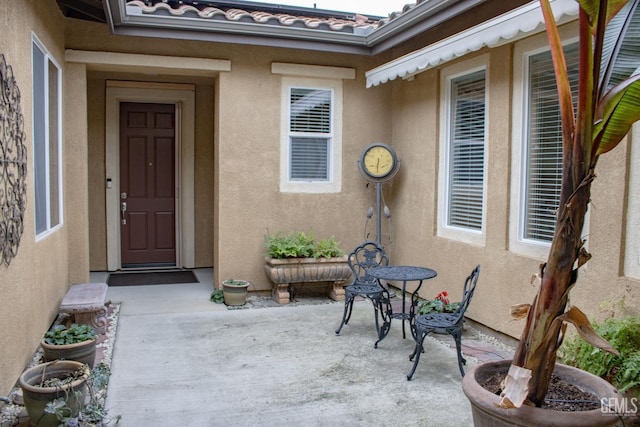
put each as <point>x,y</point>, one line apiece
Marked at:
<point>298,244</point>
<point>93,412</point>
<point>73,342</point>
<point>440,304</point>
<point>54,391</point>
<point>235,292</point>
<point>292,245</point>
<point>608,103</point>
<point>622,371</point>
<point>75,333</point>
<point>233,282</point>
<point>327,248</point>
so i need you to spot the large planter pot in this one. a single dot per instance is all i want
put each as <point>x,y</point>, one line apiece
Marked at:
<point>486,413</point>
<point>36,398</point>
<point>286,271</point>
<point>235,292</point>
<point>83,352</point>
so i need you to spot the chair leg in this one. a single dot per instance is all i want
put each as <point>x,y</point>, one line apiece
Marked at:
<point>384,312</point>
<point>417,351</point>
<point>348,307</point>
<point>457,336</point>
<point>376,308</point>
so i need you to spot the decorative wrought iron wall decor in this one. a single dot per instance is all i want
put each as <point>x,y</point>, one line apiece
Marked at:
<point>13,165</point>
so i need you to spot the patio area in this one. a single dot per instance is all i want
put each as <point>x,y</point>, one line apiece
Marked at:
<point>179,359</point>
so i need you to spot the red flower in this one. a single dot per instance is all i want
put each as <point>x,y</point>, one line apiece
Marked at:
<point>442,296</point>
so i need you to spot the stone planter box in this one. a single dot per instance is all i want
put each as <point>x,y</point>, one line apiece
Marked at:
<point>286,271</point>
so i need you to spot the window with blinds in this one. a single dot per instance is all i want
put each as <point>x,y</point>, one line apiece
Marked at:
<point>47,148</point>
<point>544,144</point>
<point>466,151</point>
<point>310,134</point>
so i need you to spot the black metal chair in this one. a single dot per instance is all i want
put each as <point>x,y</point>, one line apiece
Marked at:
<point>450,323</point>
<point>366,256</point>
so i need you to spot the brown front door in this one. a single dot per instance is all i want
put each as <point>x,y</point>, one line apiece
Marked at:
<point>147,184</point>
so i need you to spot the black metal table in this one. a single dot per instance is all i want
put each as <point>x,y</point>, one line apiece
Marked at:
<point>404,274</point>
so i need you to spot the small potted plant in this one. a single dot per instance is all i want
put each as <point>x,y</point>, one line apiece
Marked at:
<point>54,390</point>
<point>440,304</point>
<point>74,342</point>
<point>235,291</point>
<point>298,258</point>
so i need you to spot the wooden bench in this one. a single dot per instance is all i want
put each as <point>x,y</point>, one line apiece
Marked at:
<point>86,303</point>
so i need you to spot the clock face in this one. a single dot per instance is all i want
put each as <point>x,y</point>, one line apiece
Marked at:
<point>378,161</point>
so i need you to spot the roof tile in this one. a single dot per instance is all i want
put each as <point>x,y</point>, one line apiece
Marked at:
<point>154,7</point>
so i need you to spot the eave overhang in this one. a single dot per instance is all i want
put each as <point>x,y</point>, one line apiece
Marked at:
<point>506,28</point>
<point>131,21</point>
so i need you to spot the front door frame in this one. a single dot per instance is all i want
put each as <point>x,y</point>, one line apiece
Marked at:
<point>183,96</point>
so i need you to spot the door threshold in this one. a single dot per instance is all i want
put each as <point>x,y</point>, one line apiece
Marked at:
<point>150,266</point>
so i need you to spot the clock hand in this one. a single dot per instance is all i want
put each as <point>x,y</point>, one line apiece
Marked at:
<point>378,165</point>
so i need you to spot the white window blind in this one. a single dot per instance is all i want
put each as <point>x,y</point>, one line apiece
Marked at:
<point>466,152</point>
<point>544,144</point>
<point>310,128</point>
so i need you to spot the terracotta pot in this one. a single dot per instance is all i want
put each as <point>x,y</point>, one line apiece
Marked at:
<point>487,414</point>
<point>235,294</point>
<point>36,397</point>
<point>84,352</point>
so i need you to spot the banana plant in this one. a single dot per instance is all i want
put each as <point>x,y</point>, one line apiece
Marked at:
<point>608,103</point>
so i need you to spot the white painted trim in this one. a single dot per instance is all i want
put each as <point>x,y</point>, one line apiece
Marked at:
<point>509,27</point>
<point>448,74</point>
<point>148,63</point>
<point>632,238</point>
<point>334,185</point>
<point>317,71</point>
<point>185,191</point>
<point>48,58</point>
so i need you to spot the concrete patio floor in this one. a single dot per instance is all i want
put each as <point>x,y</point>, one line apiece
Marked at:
<point>179,359</point>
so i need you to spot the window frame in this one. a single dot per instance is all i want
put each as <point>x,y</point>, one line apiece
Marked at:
<point>447,77</point>
<point>334,182</point>
<point>632,230</point>
<point>523,50</point>
<point>43,131</point>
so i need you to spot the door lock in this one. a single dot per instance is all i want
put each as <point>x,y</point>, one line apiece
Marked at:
<point>123,210</point>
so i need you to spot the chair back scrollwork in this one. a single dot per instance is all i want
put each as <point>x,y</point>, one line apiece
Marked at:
<point>366,256</point>
<point>467,292</point>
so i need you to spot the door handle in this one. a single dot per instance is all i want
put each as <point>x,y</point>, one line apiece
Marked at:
<point>123,210</point>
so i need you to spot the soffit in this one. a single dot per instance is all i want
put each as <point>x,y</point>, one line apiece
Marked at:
<point>511,26</point>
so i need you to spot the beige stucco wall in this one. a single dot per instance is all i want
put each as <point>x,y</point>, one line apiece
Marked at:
<point>238,150</point>
<point>505,277</point>
<point>248,167</point>
<point>33,285</point>
<point>238,177</point>
<point>237,173</point>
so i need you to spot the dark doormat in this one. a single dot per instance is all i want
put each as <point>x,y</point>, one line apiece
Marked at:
<point>151,278</point>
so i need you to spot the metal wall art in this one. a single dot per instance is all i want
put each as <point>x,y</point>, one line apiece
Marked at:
<point>13,165</point>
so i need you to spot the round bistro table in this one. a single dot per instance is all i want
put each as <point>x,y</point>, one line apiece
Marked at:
<point>404,274</point>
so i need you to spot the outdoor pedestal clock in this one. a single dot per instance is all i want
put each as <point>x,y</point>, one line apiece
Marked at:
<point>378,164</point>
